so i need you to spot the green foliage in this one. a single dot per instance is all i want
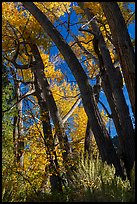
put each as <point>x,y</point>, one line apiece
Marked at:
<point>7,143</point>
<point>95,181</point>
<point>7,125</point>
<point>91,181</point>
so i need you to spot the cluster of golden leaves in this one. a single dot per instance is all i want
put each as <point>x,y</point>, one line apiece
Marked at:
<point>53,10</point>
<point>24,24</point>
<point>80,124</point>
<point>49,69</point>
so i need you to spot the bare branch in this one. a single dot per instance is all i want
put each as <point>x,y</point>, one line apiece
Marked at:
<point>32,92</point>
<point>65,118</point>
<point>25,82</point>
<point>88,22</point>
<point>87,30</point>
<point>109,115</point>
<point>130,17</point>
<point>17,66</point>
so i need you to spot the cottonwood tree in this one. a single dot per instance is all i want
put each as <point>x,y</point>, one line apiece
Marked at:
<point>65,126</point>
<point>112,75</point>
<point>102,137</point>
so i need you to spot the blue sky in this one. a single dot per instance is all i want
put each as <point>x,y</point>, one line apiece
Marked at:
<point>131,27</point>
<point>65,69</point>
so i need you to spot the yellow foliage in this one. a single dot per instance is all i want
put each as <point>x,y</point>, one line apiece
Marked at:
<point>35,158</point>
<point>80,123</point>
<point>53,9</point>
<point>78,10</point>
<point>27,74</point>
<point>49,69</point>
<point>104,117</point>
<point>126,11</point>
<point>65,96</point>
<point>18,24</point>
<point>93,6</point>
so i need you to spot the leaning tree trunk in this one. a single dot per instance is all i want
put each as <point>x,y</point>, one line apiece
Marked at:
<point>103,140</point>
<point>119,99</point>
<point>123,45</point>
<point>88,146</point>
<point>38,70</point>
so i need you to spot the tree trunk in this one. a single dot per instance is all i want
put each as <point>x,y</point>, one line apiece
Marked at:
<point>55,179</point>
<point>101,135</point>
<point>89,134</point>
<point>38,70</point>
<point>123,45</point>
<point>20,143</point>
<point>18,140</point>
<point>119,99</point>
<point>108,92</point>
<point>114,114</point>
<point>88,142</point>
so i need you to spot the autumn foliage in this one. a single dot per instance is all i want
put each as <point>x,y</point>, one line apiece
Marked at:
<point>57,130</point>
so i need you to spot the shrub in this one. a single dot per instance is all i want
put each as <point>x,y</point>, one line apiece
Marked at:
<point>90,181</point>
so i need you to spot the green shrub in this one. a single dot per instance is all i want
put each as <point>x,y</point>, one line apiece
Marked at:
<point>90,181</point>
<point>95,181</point>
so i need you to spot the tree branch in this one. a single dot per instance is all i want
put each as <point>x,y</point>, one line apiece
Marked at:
<point>22,97</point>
<point>109,115</point>
<point>65,118</point>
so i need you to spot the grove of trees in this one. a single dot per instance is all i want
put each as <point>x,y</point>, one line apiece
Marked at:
<point>65,69</point>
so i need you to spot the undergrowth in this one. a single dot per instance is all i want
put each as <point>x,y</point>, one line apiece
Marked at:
<point>91,181</point>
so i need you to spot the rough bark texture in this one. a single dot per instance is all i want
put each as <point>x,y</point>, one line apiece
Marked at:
<point>38,70</point>
<point>15,122</point>
<point>89,134</point>
<point>123,45</point>
<point>88,141</point>
<point>119,99</point>
<point>101,135</point>
<point>108,92</point>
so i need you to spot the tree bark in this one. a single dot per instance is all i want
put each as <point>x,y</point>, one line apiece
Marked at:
<point>18,140</point>
<point>20,143</point>
<point>123,45</point>
<point>115,83</point>
<point>108,92</point>
<point>101,135</point>
<point>38,70</point>
<point>89,134</point>
<point>55,179</point>
<point>72,109</point>
<point>88,142</point>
